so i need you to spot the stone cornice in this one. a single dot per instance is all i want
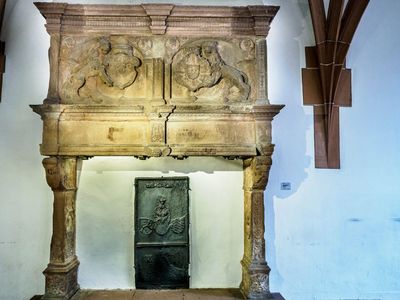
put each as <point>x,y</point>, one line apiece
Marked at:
<point>158,19</point>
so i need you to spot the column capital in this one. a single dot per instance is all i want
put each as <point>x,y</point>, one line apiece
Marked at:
<point>256,172</point>
<point>61,173</point>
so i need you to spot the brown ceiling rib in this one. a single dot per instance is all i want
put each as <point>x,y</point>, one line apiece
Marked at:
<point>326,81</point>
<point>2,46</point>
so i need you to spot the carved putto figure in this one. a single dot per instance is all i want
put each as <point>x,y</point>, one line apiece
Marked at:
<point>200,66</point>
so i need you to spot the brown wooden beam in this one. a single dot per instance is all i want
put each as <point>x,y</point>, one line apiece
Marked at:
<point>2,46</point>
<point>2,9</point>
<point>351,18</point>
<point>319,22</point>
<point>333,27</point>
<point>326,81</point>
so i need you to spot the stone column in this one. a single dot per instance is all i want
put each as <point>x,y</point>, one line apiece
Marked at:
<point>255,271</point>
<point>62,271</point>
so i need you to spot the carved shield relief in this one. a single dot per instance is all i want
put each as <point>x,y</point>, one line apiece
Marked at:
<point>121,66</point>
<point>200,68</point>
<point>162,232</point>
<point>194,71</point>
<point>100,70</point>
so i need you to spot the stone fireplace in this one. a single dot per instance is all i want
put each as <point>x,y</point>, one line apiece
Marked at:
<point>156,80</point>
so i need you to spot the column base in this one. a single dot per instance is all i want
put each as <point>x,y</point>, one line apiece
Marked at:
<point>269,296</point>
<point>61,281</point>
<point>255,280</point>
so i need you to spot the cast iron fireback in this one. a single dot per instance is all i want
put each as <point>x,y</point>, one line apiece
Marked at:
<point>162,232</point>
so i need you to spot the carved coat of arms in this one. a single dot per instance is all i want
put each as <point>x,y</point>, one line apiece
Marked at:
<point>195,71</point>
<point>121,65</point>
<point>201,66</point>
<point>110,59</point>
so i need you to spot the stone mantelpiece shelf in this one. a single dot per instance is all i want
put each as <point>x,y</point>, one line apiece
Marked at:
<point>81,130</point>
<point>156,80</point>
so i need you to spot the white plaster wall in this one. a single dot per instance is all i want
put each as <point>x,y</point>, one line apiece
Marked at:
<point>334,236</point>
<point>25,202</point>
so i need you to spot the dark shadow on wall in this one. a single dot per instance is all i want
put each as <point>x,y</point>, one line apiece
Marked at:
<point>290,32</point>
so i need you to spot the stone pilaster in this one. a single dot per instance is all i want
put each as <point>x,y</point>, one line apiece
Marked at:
<point>261,65</point>
<point>255,271</point>
<point>62,271</point>
<point>53,15</point>
<point>54,58</point>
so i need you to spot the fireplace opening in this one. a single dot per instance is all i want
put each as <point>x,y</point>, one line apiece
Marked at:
<point>106,219</point>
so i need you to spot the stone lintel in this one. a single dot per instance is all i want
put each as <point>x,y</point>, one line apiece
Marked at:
<point>156,131</point>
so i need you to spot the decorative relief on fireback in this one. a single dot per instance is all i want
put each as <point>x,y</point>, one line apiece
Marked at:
<point>200,68</point>
<point>101,66</point>
<point>161,222</point>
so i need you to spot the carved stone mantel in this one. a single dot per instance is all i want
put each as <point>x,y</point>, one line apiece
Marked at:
<point>156,80</point>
